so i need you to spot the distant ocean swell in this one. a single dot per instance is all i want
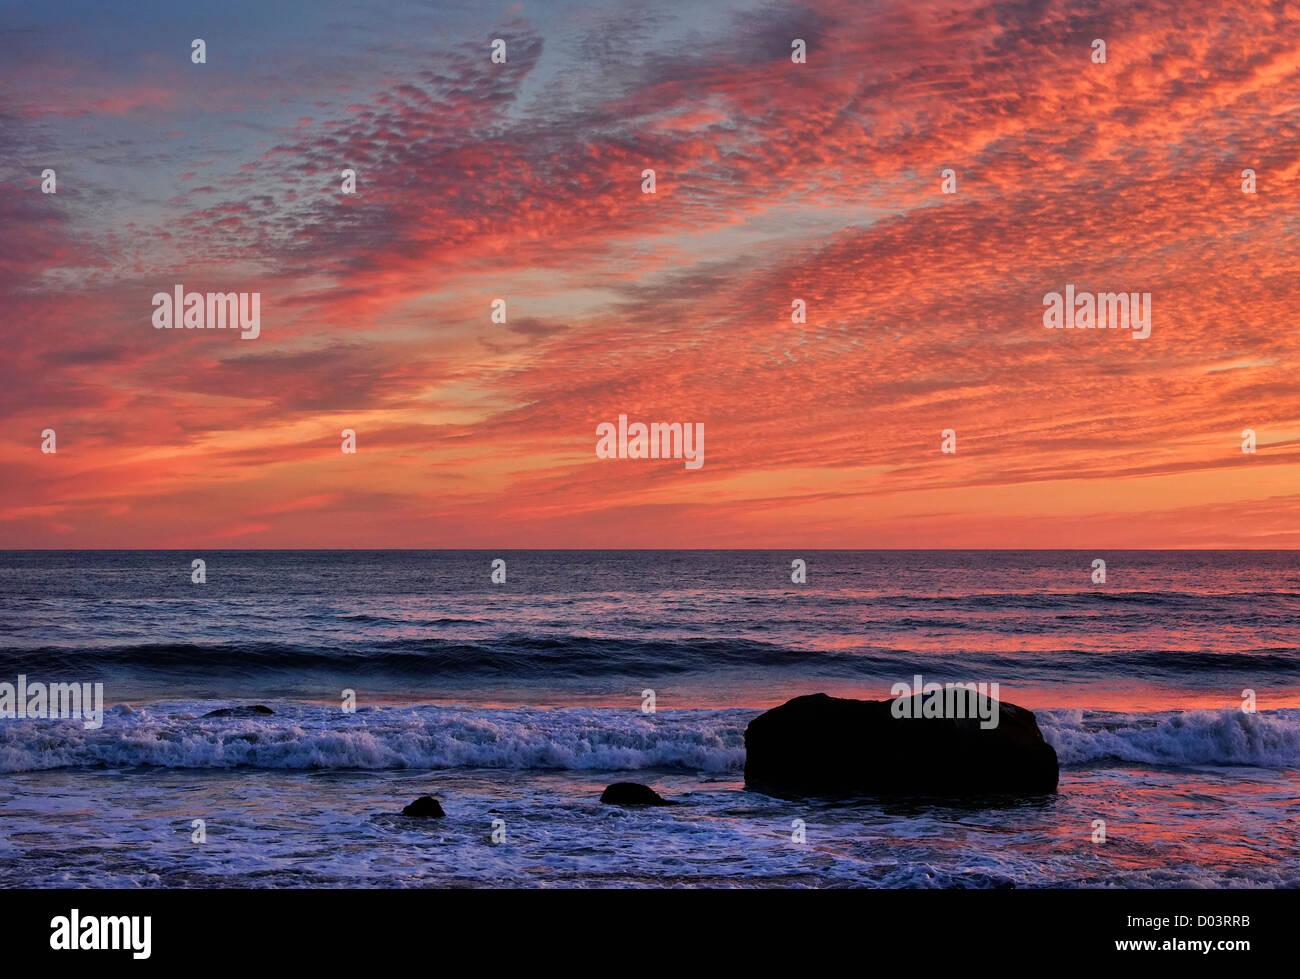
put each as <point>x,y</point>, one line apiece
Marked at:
<point>304,737</point>
<point>523,656</point>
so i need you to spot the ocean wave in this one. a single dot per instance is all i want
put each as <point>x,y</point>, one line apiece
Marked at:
<point>1266,739</point>
<point>526,658</point>
<point>518,655</point>
<point>423,737</point>
<point>394,620</point>
<point>426,737</point>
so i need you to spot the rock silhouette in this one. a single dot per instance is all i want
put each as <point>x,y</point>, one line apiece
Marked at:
<point>830,745</point>
<point>633,794</point>
<point>425,807</point>
<point>256,710</point>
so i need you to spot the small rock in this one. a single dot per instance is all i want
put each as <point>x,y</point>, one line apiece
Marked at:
<point>256,710</point>
<point>633,794</point>
<point>425,807</point>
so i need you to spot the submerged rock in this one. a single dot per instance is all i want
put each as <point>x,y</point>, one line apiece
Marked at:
<point>256,710</point>
<point>633,794</point>
<point>831,745</point>
<point>425,807</point>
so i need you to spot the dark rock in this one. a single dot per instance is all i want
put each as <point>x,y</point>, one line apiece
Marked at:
<point>831,745</point>
<point>633,794</point>
<point>425,807</point>
<point>256,710</point>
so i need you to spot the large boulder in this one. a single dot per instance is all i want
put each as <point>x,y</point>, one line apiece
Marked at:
<point>831,745</point>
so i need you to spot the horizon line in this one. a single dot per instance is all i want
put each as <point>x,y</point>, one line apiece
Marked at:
<point>845,550</point>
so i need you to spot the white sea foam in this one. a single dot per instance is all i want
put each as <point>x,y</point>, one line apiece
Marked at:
<point>425,737</point>
<point>1267,739</point>
<point>305,737</point>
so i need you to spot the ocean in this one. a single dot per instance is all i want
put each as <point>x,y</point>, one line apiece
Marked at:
<point>516,703</point>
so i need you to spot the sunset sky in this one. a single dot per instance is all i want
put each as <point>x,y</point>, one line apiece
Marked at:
<point>775,181</point>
